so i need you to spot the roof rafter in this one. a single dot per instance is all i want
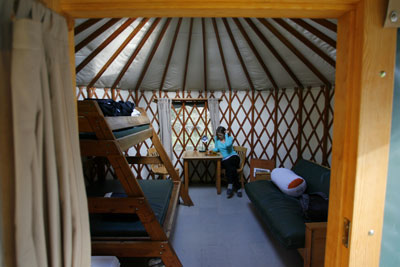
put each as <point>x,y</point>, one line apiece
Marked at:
<point>307,42</point>
<point>86,24</point>
<point>152,53</point>
<point>203,27</point>
<point>274,52</point>
<point>187,54</point>
<point>221,53</point>
<point>295,51</point>
<point>95,34</point>
<point>316,32</point>
<point>104,44</point>
<point>327,24</point>
<point>171,50</point>
<point>254,49</point>
<point>246,72</point>
<point>118,51</point>
<point>133,56</point>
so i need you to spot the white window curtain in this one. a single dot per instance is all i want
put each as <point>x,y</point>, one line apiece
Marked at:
<point>213,107</point>
<point>51,215</point>
<point>164,118</point>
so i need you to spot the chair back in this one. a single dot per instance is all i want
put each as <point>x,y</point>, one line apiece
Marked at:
<point>156,168</point>
<point>242,155</point>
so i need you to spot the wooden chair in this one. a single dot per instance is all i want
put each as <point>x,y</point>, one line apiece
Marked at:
<point>241,151</point>
<point>158,169</point>
<point>109,137</point>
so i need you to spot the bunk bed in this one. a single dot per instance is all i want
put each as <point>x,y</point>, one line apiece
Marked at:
<point>128,217</point>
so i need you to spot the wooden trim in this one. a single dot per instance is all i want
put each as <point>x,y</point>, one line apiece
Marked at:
<point>118,51</point>
<point>181,8</point>
<point>143,160</point>
<point>171,51</point>
<point>134,54</point>
<point>295,51</point>
<point>171,213</point>
<point>361,134</point>
<point>314,249</point>
<point>104,44</point>
<point>152,53</point>
<point>95,34</point>
<point>274,52</point>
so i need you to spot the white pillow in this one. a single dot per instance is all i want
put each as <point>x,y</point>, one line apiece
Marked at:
<point>288,182</point>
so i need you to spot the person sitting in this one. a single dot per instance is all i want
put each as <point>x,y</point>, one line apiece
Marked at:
<point>230,160</point>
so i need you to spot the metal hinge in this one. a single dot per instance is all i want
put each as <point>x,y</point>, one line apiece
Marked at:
<point>346,232</point>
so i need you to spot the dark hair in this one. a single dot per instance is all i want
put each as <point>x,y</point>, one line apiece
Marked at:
<point>220,129</point>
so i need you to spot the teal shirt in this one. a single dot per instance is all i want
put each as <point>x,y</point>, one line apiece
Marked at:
<point>226,148</point>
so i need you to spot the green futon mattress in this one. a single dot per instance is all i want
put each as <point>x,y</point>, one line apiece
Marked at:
<point>157,193</point>
<point>281,213</point>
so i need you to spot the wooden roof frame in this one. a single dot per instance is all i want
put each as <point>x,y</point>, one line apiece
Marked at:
<point>361,135</point>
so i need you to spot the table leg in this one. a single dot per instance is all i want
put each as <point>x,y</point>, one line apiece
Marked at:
<point>186,170</point>
<point>218,178</point>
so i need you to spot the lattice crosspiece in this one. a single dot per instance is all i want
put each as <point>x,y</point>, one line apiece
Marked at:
<point>282,124</point>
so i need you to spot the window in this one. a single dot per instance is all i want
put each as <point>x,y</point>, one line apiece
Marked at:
<point>189,123</point>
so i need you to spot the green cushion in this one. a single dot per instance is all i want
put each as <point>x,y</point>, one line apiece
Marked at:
<point>317,177</point>
<point>282,213</point>
<point>118,133</point>
<point>157,193</point>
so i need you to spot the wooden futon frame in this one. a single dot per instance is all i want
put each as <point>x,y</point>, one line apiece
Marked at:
<point>102,137</point>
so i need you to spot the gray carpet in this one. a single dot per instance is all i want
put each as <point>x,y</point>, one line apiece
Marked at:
<point>221,232</point>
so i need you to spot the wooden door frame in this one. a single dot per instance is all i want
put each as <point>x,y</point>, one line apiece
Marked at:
<point>363,100</point>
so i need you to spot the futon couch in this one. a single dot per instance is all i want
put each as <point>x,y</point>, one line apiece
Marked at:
<point>283,215</point>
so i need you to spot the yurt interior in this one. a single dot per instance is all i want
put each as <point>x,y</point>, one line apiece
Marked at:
<point>144,177</point>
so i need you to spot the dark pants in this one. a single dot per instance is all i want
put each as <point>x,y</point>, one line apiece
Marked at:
<point>231,165</point>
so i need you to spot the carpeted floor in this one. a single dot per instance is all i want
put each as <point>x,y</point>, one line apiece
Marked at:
<point>223,232</point>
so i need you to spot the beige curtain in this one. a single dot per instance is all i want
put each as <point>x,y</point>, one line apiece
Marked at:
<point>164,118</point>
<point>213,107</point>
<point>51,216</point>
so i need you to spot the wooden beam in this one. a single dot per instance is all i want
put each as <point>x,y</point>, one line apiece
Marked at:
<point>246,72</point>
<point>84,25</point>
<point>152,53</point>
<point>362,122</point>
<point>134,54</point>
<point>327,24</point>
<point>118,51</point>
<point>255,52</point>
<point>306,42</point>
<point>295,51</point>
<point>274,52</point>
<point>171,51</point>
<point>95,34</point>
<point>316,32</point>
<point>221,53</point>
<point>182,8</point>
<point>204,53</point>
<point>104,44</point>
<point>187,55</point>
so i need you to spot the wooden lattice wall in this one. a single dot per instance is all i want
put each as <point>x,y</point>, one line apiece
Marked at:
<point>283,125</point>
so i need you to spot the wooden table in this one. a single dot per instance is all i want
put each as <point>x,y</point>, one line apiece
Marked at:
<point>196,155</point>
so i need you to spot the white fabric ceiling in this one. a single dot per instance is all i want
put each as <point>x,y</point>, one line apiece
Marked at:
<point>216,79</point>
